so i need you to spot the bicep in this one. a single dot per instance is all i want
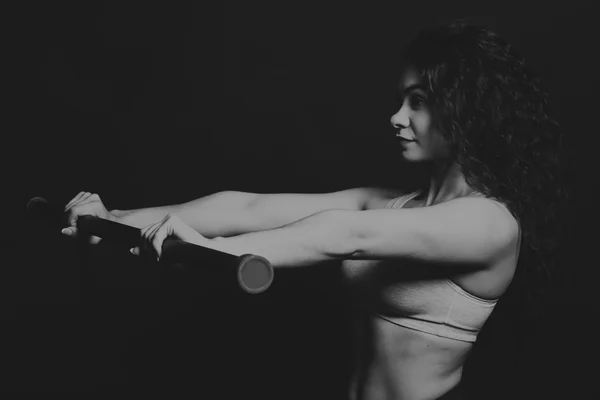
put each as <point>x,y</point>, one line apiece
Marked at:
<point>467,232</point>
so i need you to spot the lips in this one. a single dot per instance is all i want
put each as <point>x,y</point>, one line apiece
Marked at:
<point>405,138</point>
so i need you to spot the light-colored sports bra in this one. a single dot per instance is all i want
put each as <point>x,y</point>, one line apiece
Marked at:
<point>428,302</point>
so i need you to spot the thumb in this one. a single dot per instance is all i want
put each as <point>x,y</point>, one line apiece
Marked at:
<point>72,232</point>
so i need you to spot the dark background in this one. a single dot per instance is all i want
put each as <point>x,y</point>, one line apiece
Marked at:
<point>157,103</point>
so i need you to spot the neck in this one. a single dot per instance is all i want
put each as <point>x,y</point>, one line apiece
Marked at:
<point>447,182</point>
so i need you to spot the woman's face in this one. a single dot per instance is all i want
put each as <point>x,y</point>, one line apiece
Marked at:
<point>414,123</point>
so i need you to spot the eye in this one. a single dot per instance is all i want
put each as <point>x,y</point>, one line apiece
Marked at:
<point>416,102</point>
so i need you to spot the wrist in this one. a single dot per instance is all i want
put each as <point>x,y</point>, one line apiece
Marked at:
<point>224,245</point>
<point>116,215</point>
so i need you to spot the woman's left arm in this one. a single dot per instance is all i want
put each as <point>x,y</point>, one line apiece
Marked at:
<point>466,232</point>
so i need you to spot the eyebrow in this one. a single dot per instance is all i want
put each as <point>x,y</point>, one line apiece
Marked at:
<point>413,87</point>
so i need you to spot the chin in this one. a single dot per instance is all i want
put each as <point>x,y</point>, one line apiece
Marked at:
<point>414,156</point>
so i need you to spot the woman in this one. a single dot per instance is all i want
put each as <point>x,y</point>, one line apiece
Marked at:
<point>426,268</point>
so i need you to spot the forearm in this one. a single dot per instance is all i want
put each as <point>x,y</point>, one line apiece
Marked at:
<point>220,214</point>
<point>142,217</point>
<point>318,238</point>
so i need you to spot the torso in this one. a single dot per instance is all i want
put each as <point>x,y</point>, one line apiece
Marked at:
<point>395,362</point>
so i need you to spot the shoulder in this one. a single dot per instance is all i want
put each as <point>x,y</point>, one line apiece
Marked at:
<point>492,206</point>
<point>491,215</point>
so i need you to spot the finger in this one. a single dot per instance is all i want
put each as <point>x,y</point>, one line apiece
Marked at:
<point>86,199</point>
<point>179,229</point>
<point>70,231</point>
<point>135,251</point>
<point>150,240</point>
<point>145,245</point>
<point>146,228</point>
<point>74,200</point>
<point>153,229</point>
<point>94,239</point>
<point>82,208</point>
<point>82,198</point>
<point>146,231</point>
<point>158,238</point>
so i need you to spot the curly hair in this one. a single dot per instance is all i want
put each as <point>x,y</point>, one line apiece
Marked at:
<point>492,112</point>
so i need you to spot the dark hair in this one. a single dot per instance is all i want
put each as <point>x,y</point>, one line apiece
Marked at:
<point>493,113</point>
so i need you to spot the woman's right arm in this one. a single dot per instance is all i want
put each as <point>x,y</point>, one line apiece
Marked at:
<point>231,213</point>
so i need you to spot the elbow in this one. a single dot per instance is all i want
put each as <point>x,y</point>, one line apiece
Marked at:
<point>339,240</point>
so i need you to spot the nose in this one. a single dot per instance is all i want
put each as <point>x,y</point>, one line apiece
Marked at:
<point>400,119</point>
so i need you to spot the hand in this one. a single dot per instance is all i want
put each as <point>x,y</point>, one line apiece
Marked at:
<point>85,203</point>
<point>154,235</point>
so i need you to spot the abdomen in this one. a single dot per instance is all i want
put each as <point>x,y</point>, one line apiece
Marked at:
<point>404,364</point>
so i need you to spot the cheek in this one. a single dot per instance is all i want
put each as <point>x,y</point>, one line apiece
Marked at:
<point>422,125</point>
<point>438,145</point>
<point>430,139</point>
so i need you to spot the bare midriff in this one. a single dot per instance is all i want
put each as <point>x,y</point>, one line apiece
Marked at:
<point>394,362</point>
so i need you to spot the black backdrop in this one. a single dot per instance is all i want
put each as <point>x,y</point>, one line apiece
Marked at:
<point>157,103</point>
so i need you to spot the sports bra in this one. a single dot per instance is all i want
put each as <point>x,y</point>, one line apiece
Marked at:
<point>425,300</point>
